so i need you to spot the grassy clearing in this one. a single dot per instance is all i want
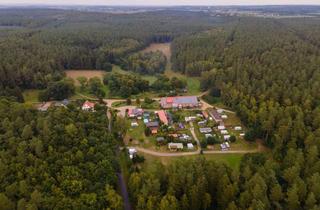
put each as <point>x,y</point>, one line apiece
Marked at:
<point>138,137</point>
<point>119,70</point>
<point>193,83</point>
<point>31,96</point>
<point>74,74</point>
<point>232,160</point>
<point>165,48</point>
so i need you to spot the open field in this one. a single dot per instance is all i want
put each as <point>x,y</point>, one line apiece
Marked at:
<point>150,78</point>
<point>165,48</point>
<point>74,74</point>
<point>31,96</point>
<point>232,160</point>
<point>193,83</point>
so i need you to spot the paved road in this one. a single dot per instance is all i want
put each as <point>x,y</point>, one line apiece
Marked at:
<point>124,192</point>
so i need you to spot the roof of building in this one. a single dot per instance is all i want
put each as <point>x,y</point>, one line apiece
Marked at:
<point>175,145</point>
<point>135,112</point>
<point>205,114</point>
<point>160,138</point>
<point>44,106</point>
<point>88,104</point>
<point>179,100</point>
<point>163,117</point>
<point>215,115</point>
<point>152,124</point>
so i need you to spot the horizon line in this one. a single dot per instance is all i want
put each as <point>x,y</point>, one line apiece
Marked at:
<point>152,5</point>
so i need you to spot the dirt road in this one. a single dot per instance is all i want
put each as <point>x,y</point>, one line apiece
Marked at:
<point>205,105</point>
<point>179,154</point>
<point>195,137</point>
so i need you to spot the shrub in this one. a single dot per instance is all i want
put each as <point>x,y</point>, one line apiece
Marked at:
<point>204,144</point>
<point>213,140</point>
<point>232,138</point>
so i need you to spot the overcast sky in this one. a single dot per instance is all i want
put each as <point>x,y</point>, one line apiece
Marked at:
<point>161,2</point>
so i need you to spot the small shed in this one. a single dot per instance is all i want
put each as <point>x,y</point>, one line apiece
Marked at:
<point>132,152</point>
<point>190,146</point>
<point>205,130</point>
<point>134,124</point>
<point>160,139</point>
<point>226,137</point>
<point>175,146</point>
<point>202,123</point>
<point>223,132</point>
<point>221,127</point>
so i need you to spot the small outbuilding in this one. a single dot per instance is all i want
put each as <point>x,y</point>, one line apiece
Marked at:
<point>175,146</point>
<point>205,130</point>
<point>221,127</point>
<point>190,146</point>
<point>223,132</point>
<point>132,152</point>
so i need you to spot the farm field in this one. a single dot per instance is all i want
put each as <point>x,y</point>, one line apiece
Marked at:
<point>74,74</point>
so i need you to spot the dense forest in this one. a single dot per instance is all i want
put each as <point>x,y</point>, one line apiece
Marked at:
<point>48,41</point>
<point>61,159</point>
<point>266,69</point>
<point>147,63</point>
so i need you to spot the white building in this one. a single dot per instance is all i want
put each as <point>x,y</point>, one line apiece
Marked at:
<point>134,124</point>
<point>223,132</point>
<point>221,127</point>
<point>175,146</point>
<point>190,146</point>
<point>132,152</point>
<point>226,137</point>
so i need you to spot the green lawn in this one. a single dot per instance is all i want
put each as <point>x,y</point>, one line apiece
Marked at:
<point>31,96</point>
<point>232,160</point>
<point>150,78</point>
<point>193,83</point>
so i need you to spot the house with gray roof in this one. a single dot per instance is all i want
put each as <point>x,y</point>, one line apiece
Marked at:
<point>179,102</point>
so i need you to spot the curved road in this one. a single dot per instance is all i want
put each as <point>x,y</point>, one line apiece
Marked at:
<point>178,154</point>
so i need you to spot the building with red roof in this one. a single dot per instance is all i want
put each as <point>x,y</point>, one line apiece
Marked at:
<point>163,117</point>
<point>88,106</point>
<point>179,102</point>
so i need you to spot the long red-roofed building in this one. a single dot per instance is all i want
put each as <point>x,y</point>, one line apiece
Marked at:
<point>163,117</point>
<point>179,102</point>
